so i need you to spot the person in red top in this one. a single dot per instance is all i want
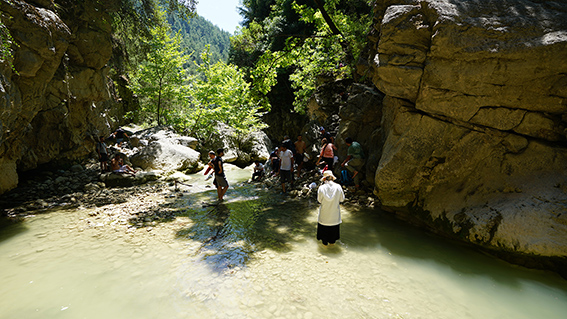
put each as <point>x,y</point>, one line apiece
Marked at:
<point>327,154</point>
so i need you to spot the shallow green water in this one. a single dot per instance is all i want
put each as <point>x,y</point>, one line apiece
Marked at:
<point>255,257</point>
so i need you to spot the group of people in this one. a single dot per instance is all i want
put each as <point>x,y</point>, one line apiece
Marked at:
<point>284,158</point>
<point>116,162</point>
<point>330,194</point>
<point>282,161</point>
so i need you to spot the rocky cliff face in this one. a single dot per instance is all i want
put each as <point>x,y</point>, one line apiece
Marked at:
<point>60,97</point>
<point>473,119</point>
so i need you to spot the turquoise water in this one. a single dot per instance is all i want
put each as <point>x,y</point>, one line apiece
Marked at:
<point>254,256</point>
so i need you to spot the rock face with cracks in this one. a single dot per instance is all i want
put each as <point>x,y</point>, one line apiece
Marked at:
<point>56,100</point>
<point>473,120</point>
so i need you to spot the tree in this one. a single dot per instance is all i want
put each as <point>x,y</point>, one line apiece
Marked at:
<point>303,40</point>
<point>221,94</point>
<point>161,76</point>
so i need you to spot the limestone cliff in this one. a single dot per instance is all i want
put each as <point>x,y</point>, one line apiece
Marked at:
<point>473,119</point>
<point>60,97</point>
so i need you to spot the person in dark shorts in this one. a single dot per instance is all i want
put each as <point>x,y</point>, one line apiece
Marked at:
<point>286,166</point>
<point>327,154</point>
<point>220,179</point>
<point>102,151</point>
<point>330,195</point>
<point>300,147</point>
<point>275,161</point>
<point>258,170</point>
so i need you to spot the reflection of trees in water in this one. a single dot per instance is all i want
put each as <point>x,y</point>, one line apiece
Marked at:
<point>251,220</point>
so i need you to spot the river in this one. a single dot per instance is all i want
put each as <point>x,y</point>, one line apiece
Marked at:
<point>253,256</point>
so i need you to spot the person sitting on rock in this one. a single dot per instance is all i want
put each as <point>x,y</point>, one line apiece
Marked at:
<point>118,166</point>
<point>258,171</point>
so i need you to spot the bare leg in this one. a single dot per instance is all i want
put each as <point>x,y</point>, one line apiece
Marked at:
<point>223,191</point>
<point>219,192</point>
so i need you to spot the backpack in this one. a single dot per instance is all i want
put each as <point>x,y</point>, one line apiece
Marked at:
<point>345,178</point>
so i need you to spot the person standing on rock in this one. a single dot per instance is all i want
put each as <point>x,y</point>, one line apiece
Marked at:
<point>102,151</point>
<point>275,162</point>
<point>327,135</point>
<point>300,147</point>
<point>119,135</point>
<point>329,195</point>
<point>220,179</point>
<point>355,160</point>
<point>286,166</point>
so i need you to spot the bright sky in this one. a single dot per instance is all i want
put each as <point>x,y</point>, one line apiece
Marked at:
<point>222,13</point>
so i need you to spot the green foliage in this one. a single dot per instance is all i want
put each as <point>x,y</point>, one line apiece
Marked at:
<point>217,92</point>
<point>221,94</point>
<point>196,34</point>
<point>296,40</point>
<point>132,22</point>
<point>160,77</point>
<point>6,43</point>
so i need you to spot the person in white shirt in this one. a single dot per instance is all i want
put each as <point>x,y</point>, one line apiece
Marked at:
<point>286,166</point>
<point>330,195</point>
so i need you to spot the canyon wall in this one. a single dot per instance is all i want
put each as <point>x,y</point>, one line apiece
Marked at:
<point>473,120</point>
<point>58,97</point>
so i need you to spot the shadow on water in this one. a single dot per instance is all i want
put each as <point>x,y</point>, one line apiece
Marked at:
<point>254,219</point>
<point>250,220</point>
<point>10,228</point>
<point>365,229</point>
<point>231,232</point>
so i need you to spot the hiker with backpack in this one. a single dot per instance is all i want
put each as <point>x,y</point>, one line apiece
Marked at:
<point>355,160</point>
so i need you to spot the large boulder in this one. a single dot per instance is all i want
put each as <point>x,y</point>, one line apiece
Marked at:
<point>240,150</point>
<point>473,120</point>
<point>166,151</point>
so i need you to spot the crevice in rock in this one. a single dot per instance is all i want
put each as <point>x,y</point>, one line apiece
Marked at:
<point>484,129</point>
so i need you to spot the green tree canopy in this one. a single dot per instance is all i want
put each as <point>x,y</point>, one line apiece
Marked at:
<point>221,94</point>
<point>158,83</point>
<point>302,39</point>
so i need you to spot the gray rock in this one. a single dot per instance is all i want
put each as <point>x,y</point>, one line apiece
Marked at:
<point>166,154</point>
<point>473,113</point>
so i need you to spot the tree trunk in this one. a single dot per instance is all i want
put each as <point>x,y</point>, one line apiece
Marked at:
<point>328,18</point>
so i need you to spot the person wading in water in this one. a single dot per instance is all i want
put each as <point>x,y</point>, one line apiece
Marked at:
<point>330,195</point>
